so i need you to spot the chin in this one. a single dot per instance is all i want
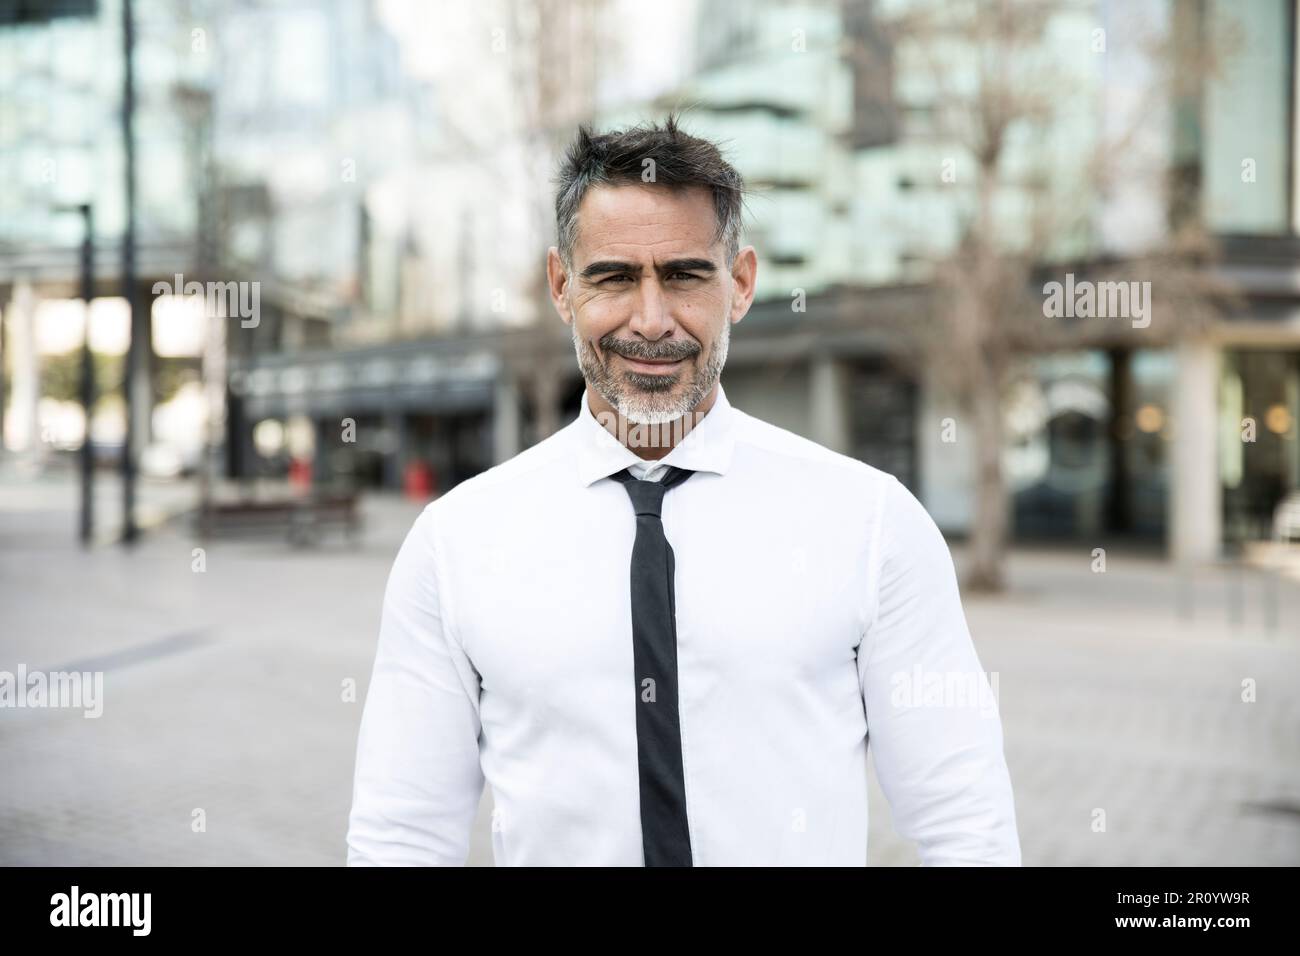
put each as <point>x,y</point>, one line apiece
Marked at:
<point>654,408</point>
<point>638,416</point>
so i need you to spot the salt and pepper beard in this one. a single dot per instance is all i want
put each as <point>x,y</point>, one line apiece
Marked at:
<point>644,398</point>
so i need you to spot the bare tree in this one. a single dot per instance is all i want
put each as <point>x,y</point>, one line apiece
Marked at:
<point>554,75</point>
<point>996,91</point>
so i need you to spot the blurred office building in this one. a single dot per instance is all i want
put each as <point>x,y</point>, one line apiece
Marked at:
<point>382,171</point>
<point>61,147</point>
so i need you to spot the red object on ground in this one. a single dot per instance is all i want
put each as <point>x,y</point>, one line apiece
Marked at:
<point>417,482</point>
<point>300,473</point>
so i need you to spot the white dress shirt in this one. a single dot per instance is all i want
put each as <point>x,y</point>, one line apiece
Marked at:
<point>816,604</point>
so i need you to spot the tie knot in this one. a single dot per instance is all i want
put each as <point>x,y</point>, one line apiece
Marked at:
<point>648,496</point>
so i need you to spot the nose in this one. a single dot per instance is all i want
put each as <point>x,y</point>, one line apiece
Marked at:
<point>651,319</point>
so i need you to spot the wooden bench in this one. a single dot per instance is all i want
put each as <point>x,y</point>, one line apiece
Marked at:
<point>302,520</point>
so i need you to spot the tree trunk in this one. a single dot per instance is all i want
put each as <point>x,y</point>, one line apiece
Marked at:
<point>989,528</point>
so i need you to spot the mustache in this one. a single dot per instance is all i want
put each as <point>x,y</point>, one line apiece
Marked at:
<point>636,349</point>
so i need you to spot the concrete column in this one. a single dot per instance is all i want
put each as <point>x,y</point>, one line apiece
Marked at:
<point>505,419</point>
<point>1195,522</point>
<point>24,434</point>
<point>213,376</point>
<point>829,404</point>
<point>142,376</point>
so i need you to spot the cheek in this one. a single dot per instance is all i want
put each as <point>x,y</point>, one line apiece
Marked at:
<point>702,316</point>
<point>599,316</point>
<point>597,307</point>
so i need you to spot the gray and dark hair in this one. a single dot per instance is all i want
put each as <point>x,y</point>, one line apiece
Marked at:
<point>679,161</point>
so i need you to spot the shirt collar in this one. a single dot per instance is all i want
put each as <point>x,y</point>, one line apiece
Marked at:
<point>708,446</point>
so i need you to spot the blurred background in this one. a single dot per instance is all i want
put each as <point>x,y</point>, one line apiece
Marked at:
<point>272,278</point>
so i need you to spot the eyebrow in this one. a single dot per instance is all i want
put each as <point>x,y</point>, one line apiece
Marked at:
<point>608,266</point>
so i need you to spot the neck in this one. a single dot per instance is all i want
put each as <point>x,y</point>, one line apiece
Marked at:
<point>650,442</point>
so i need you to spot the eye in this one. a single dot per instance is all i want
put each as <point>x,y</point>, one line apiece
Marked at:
<point>614,279</point>
<point>679,276</point>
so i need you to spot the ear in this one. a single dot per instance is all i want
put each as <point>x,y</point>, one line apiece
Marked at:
<point>744,272</point>
<point>557,281</point>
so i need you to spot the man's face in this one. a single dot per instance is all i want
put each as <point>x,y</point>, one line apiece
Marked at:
<point>650,299</point>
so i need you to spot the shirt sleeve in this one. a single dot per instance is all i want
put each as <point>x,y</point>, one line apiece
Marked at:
<point>418,779</point>
<point>932,720</point>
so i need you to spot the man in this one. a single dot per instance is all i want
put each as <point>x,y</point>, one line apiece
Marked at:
<point>665,635</point>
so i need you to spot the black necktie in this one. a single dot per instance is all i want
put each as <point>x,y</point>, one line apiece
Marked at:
<point>664,832</point>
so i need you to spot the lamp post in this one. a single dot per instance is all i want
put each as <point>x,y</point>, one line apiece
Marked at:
<point>86,519</point>
<point>137,350</point>
<point>86,528</point>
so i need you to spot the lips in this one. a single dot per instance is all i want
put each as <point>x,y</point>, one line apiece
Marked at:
<point>651,366</point>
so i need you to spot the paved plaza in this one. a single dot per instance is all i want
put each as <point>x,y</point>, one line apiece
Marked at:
<point>224,692</point>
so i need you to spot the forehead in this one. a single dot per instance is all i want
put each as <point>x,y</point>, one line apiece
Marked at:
<point>634,220</point>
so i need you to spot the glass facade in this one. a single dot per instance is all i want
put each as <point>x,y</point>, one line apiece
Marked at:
<point>1259,451</point>
<point>60,128</point>
<point>1087,444</point>
<point>1247,161</point>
